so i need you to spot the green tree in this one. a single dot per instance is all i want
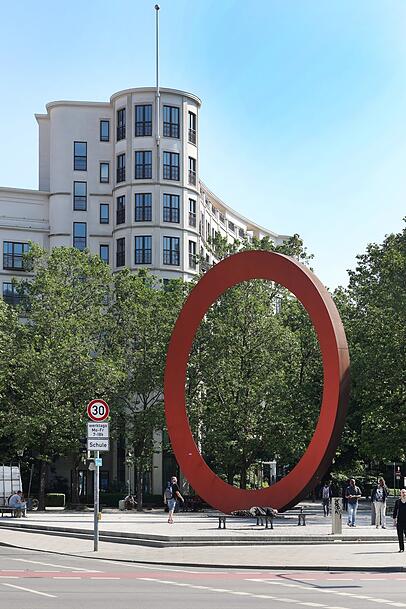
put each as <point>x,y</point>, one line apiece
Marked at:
<point>63,353</point>
<point>254,378</point>
<point>143,316</point>
<point>375,309</point>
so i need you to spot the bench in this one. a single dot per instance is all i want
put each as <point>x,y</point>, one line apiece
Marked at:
<point>262,514</point>
<point>6,508</point>
<point>301,515</point>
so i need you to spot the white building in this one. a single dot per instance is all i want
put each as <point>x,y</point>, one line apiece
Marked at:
<point>111,181</point>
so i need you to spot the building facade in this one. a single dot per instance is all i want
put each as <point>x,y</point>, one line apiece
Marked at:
<point>122,179</point>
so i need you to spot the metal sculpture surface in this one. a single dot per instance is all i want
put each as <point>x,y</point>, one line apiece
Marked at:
<point>334,351</point>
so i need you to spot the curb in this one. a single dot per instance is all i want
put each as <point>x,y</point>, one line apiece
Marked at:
<point>317,568</point>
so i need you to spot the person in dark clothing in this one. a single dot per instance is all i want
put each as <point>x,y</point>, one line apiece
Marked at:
<point>399,517</point>
<point>352,493</point>
<point>326,495</point>
<point>171,497</point>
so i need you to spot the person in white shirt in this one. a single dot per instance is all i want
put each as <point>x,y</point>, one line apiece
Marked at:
<point>16,502</point>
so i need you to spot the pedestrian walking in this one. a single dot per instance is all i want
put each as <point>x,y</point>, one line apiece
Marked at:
<point>352,494</point>
<point>378,498</point>
<point>345,500</point>
<point>171,497</point>
<point>326,495</point>
<point>399,518</point>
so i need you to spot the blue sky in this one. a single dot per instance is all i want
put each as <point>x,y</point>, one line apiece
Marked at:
<point>303,123</point>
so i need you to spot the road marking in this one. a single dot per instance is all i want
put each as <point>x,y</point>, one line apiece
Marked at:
<point>329,591</point>
<point>238,593</point>
<point>9,576</point>
<point>66,577</point>
<point>30,590</point>
<point>100,577</point>
<point>49,564</point>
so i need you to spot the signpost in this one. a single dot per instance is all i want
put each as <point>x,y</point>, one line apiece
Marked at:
<point>97,441</point>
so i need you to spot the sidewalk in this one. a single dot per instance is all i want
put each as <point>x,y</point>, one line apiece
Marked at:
<point>148,538</point>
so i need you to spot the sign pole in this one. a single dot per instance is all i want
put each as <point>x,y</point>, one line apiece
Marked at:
<point>96,502</point>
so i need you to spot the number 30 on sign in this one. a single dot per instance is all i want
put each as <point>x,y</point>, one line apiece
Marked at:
<point>98,410</point>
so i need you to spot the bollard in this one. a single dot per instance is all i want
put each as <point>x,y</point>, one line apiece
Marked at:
<point>336,515</point>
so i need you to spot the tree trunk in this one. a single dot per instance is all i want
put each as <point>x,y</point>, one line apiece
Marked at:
<point>139,488</point>
<point>42,484</point>
<point>75,484</point>
<point>230,475</point>
<point>243,480</point>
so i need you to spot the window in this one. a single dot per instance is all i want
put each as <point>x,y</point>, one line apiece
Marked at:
<point>192,171</point>
<point>213,210</point>
<point>121,168</point>
<point>10,294</point>
<point>104,131</point>
<point>104,213</point>
<point>79,235</point>
<point>13,253</point>
<point>192,254</point>
<point>171,208</point>
<point>222,218</point>
<point>143,164</point>
<point>143,120</point>
<point>143,250</point>
<point>231,226</point>
<point>143,207</point>
<point>171,250</point>
<point>80,196</point>
<point>171,166</point>
<point>80,156</point>
<point>120,253</point>
<point>104,173</point>
<point>241,233</point>
<point>120,211</point>
<point>171,121</point>
<point>192,212</point>
<point>120,124</point>
<point>192,127</point>
<point>104,253</point>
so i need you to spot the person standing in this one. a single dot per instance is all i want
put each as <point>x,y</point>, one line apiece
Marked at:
<point>326,497</point>
<point>378,498</point>
<point>171,497</point>
<point>352,494</point>
<point>399,517</point>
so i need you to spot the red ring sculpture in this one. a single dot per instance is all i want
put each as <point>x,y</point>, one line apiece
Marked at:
<point>333,345</point>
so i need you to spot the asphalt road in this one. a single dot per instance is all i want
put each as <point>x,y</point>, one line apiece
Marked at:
<point>40,580</point>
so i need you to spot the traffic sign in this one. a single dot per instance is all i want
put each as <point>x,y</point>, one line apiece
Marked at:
<point>98,410</point>
<point>97,430</point>
<point>98,462</point>
<point>99,444</point>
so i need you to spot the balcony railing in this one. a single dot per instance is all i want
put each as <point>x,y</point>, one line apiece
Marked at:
<point>192,136</point>
<point>192,177</point>
<point>192,219</point>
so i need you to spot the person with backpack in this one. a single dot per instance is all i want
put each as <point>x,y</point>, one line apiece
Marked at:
<point>326,495</point>
<point>172,496</point>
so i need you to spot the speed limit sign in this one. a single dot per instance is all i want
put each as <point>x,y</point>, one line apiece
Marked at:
<point>98,410</point>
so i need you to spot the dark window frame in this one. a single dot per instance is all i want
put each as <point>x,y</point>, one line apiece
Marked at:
<point>171,255</point>
<point>79,240</point>
<point>79,160</point>
<point>13,260</point>
<point>104,138</point>
<point>143,127</point>
<point>120,209</point>
<point>192,212</point>
<point>120,167</point>
<point>171,127</point>
<point>120,251</point>
<point>12,298</point>
<point>106,246</point>
<point>143,254</point>
<point>102,218</point>
<point>79,201</point>
<point>192,164</point>
<point>143,207</point>
<point>143,169</point>
<point>171,208</point>
<point>102,179</point>
<point>192,254</point>
<point>121,124</point>
<point>171,170</point>
<point>192,127</point>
